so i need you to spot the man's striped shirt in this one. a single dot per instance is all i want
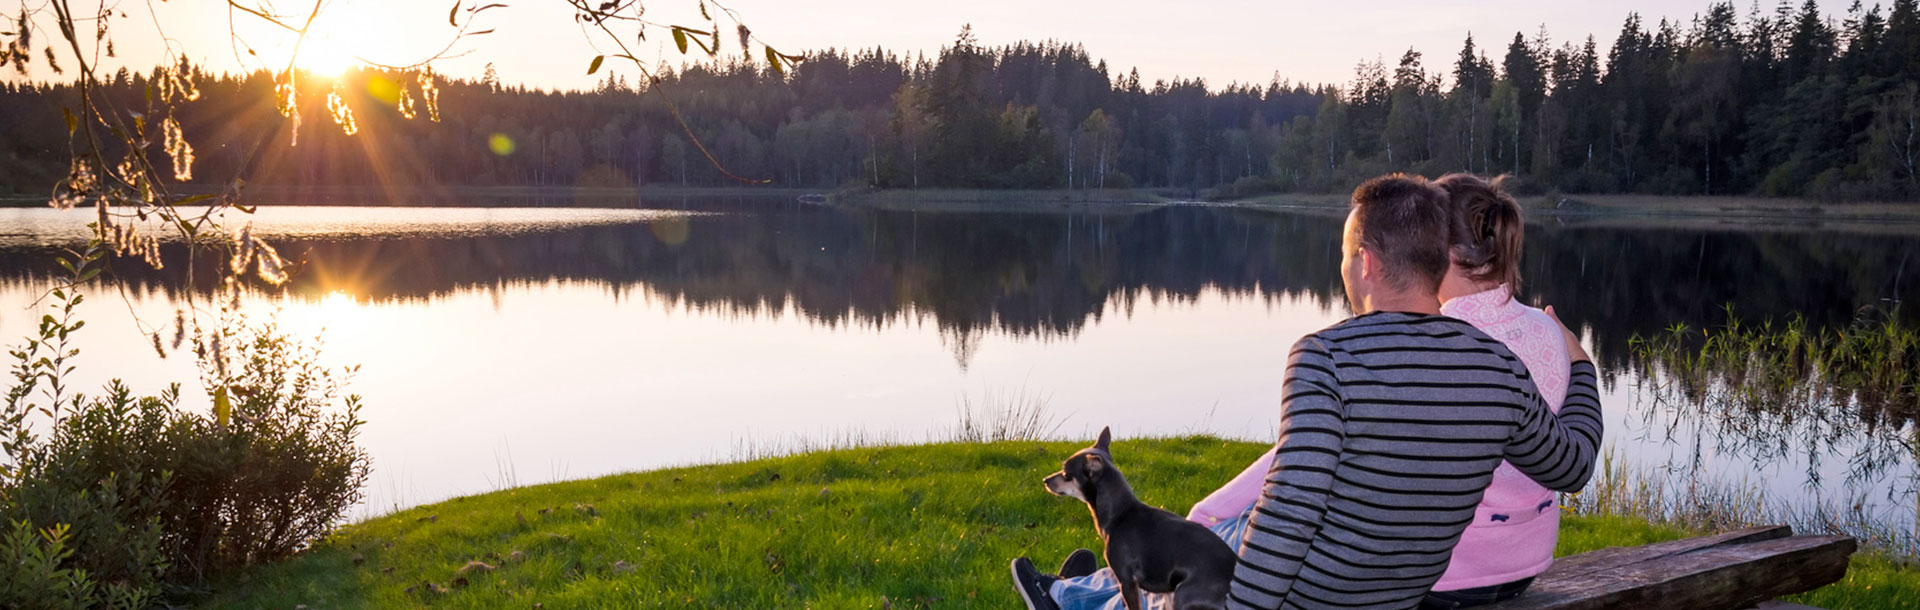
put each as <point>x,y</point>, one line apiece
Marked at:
<point>1391,427</point>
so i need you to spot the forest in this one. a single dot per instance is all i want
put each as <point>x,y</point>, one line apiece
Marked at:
<point>1791,101</point>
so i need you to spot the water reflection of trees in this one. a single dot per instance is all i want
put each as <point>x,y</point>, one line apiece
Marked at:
<point>1048,275</point>
<point>1775,392</point>
<point>1044,275</point>
<point>1622,282</point>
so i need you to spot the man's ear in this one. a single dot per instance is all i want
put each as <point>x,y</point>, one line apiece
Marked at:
<point>1106,436</point>
<point>1370,265</point>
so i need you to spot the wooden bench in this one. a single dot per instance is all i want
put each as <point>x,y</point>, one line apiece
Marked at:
<point>1730,571</point>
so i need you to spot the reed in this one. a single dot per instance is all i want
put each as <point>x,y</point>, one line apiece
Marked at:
<point>1779,392</point>
<point>1001,415</point>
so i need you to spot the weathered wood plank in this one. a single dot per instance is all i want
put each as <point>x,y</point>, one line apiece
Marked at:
<point>1717,577</point>
<point>1612,558</point>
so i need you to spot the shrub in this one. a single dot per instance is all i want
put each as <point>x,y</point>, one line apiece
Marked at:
<point>275,466</point>
<point>1246,187</point>
<point>34,574</point>
<point>129,499</point>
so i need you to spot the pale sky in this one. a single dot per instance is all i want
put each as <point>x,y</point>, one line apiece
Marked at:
<point>536,41</point>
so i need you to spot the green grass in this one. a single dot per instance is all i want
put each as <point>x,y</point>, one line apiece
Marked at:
<point>898,527</point>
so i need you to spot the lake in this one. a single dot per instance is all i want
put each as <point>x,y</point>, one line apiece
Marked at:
<point>512,346</point>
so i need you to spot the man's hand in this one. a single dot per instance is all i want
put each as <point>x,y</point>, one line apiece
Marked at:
<point>1575,353</point>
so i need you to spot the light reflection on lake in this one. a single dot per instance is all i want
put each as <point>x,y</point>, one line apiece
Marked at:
<point>502,346</point>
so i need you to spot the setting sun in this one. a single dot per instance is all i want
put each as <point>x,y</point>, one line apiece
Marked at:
<point>348,34</point>
<point>326,55</point>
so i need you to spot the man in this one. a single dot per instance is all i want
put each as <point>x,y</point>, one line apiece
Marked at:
<point>1393,422</point>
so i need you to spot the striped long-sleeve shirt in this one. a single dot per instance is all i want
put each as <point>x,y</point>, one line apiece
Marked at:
<point>1391,427</point>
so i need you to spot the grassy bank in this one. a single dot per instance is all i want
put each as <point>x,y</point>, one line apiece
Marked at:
<point>898,527</point>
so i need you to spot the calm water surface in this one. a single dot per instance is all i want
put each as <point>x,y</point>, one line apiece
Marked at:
<point>517,346</point>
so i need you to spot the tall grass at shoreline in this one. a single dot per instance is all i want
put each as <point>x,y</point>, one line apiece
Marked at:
<point>1695,503</point>
<point>1001,415</point>
<point>1781,392</point>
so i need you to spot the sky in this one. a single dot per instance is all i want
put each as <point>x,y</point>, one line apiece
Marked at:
<point>537,43</point>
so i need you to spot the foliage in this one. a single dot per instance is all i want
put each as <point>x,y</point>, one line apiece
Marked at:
<point>276,465</point>
<point>1787,103</point>
<point>35,573</point>
<point>119,501</point>
<point>868,115</point>
<point>906,527</point>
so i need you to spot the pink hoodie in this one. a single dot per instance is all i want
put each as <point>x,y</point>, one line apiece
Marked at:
<point>1515,528</point>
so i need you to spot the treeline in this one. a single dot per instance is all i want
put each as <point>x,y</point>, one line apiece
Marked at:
<point>1789,103</point>
<point>1792,102</point>
<point>1027,115</point>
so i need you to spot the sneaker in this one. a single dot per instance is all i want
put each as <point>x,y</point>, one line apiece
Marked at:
<point>1080,563</point>
<point>1035,588</point>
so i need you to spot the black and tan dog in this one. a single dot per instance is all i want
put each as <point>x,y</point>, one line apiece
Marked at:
<point>1148,548</point>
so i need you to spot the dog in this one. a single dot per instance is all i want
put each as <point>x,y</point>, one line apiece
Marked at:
<point>1148,548</point>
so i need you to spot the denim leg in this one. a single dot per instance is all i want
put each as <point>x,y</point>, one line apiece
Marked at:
<point>1101,591</point>
<point>1096,591</point>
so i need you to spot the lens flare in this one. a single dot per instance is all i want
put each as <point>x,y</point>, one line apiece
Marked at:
<point>500,144</point>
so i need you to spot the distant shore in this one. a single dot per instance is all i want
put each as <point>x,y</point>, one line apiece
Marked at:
<point>1688,210</point>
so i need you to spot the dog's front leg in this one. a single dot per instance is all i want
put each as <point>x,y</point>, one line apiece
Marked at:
<point>1130,591</point>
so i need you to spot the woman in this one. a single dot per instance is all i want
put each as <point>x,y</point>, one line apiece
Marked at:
<point>1517,523</point>
<point>1512,537</point>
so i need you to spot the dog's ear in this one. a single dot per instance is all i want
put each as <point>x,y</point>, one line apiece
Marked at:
<point>1106,435</point>
<point>1096,466</point>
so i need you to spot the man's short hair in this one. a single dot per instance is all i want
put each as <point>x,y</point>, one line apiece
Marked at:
<point>1403,220</point>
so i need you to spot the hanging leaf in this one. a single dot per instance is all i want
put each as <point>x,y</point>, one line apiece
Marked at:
<point>595,66</point>
<point>680,40</point>
<point>222,406</point>
<point>72,122</point>
<point>773,61</point>
<point>452,13</point>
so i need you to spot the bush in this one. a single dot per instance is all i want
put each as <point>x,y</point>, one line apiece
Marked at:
<point>33,574</point>
<point>276,465</point>
<point>1589,180</point>
<point>128,500</point>
<point>1246,187</point>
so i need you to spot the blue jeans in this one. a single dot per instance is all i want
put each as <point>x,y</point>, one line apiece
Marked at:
<point>1101,591</point>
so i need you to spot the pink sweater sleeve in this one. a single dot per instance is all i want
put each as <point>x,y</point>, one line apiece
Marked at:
<point>1232,499</point>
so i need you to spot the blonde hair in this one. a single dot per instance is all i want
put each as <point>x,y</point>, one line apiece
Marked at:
<point>1487,230</point>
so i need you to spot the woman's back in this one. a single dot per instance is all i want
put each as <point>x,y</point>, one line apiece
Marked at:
<point>1518,521</point>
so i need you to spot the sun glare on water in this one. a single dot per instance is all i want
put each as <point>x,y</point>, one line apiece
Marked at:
<point>338,307</point>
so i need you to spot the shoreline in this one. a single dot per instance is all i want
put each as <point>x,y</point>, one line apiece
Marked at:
<point>1694,211</point>
<point>1626,211</point>
<point>927,524</point>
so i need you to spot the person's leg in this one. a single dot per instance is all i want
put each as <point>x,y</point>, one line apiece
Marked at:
<point>1101,591</point>
<point>1096,591</point>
